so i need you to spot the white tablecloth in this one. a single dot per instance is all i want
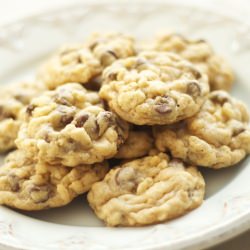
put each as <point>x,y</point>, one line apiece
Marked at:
<point>11,10</point>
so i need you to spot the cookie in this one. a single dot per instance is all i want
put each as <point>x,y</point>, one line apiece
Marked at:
<point>69,126</point>
<point>145,191</point>
<point>200,53</point>
<point>13,99</point>
<point>218,136</point>
<point>31,185</point>
<point>154,88</point>
<point>138,144</point>
<point>109,47</point>
<point>72,63</point>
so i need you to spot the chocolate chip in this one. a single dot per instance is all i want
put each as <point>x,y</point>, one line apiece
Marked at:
<point>163,108</point>
<point>103,121</point>
<point>80,121</point>
<point>94,84</point>
<point>93,45</point>
<point>14,182</point>
<point>79,59</point>
<point>39,193</point>
<point>238,130</point>
<point>219,97</point>
<point>112,76</point>
<point>30,108</point>
<point>111,52</point>
<point>127,179</point>
<point>193,89</point>
<point>196,73</point>
<point>4,114</point>
<point>190,193</point>
<point>46,137</point>
<point>66,119</point>
<point>165,104</point>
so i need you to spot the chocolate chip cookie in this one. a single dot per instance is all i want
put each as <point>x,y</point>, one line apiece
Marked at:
<point>14,98</point>
<point>69,126</point>
<point>218,136</point>
<point>149,190</point>
<point>200,53</point>
<point>72,63</point>
<point>109,47</point>
<point>154,88</point>
<point>31,185</point>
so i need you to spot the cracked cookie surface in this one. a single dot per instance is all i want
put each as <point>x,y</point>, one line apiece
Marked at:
<point>31,185</point>
<point>72,63</point>
<point>138,144</point>
<point>146,191</point>
<point>200,53</point>
<point>218,136</point>
<point>69,126</point>
<point>13,99</point>
<point>154,88</point>
<point>109,47</point>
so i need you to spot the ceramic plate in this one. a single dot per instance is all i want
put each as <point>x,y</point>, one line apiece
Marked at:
<point>226,209</point>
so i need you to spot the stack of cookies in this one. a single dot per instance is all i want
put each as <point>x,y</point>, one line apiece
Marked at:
<point>128,122</point>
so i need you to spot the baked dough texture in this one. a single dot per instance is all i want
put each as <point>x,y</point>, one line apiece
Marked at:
<point>154,88</point>
<point>218,136</point>
<point>149,190</point>
<point>13,98</point>
<point>69,126</point>
<point>31,185</point>
<point>200,53</point>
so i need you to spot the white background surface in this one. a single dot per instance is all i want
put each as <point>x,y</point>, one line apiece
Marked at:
<point>11,10</point>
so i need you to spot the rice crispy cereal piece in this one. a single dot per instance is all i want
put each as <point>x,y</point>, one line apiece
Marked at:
<point>218,136</point>
<point>154,88</point>
<point>145,191</point>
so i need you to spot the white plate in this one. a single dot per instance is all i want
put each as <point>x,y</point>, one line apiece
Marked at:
<point>226,210</point>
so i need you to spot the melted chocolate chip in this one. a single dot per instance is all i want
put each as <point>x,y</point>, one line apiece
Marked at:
<point>165,105</point>
<point>193,89</point>
<point>127,179</point>
<point>30,109</point>
<point>239,130</point>
<point>14,182</point>
<point>39,194</point>
<point>79,59</point>
<point>104,120</point>
<point>219,97</point>
<point>66,119</point>
<point>80,121</point>
<point>112,76</point>
<point>93,45</point>
<point>163,108</point>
